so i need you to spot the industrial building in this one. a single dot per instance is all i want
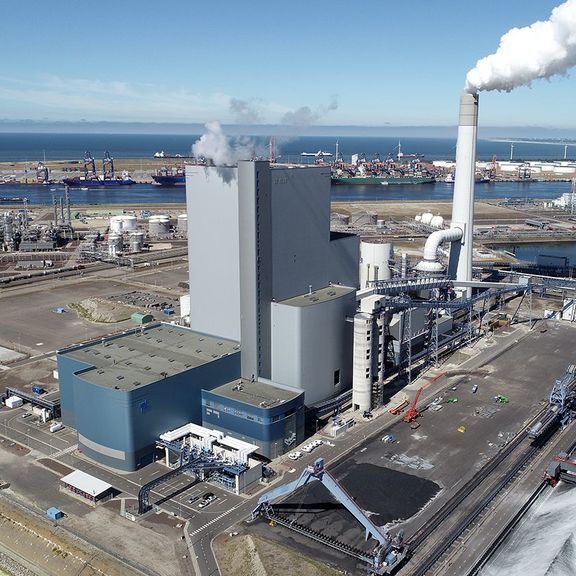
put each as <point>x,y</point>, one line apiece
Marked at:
<point>280,281</point>
<point>261,413</point>
<point>122,392</point>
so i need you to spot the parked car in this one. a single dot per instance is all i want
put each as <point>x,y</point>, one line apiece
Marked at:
<point>193,499</point>
<point>294,455</point>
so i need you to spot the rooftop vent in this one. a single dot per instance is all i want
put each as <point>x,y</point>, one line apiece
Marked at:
<point>137,383</point>
<point>107,356</point>
<point>120,377</point>
<point>147,368</point>
<point>131,349</point>
<point>100,371</point>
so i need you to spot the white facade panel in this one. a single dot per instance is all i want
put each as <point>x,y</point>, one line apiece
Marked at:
<point>212,201</point>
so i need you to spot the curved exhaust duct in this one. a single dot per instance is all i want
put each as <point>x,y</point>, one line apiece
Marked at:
<point>431,264</point>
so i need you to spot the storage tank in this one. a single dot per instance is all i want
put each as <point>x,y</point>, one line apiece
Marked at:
<point>114,244</point>
<point>427,218</point>
<point>123,223</point>
<point>437,221</point>
<point>375,261</point>
<point>418,217</point>
<point>182,226</point>
<point>379,223</point>
<point>362,363</point>
<point>159,225</point>
<point>136,241</point>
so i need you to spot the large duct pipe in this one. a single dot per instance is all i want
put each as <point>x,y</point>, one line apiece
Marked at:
<point>430,264</point>
<point>460,262</point>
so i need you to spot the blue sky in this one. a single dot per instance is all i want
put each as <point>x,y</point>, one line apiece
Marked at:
<point>338,62</point>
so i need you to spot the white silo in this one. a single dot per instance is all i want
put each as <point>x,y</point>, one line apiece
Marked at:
<point>437,221</point>
<point>375,261</point>
<point>136,241</point>
<point>182,226</point>
<point>362,363</point>
<point>159,225</point>
<point>123,223</point>
<point>114,244</point>
<point>427,218</point>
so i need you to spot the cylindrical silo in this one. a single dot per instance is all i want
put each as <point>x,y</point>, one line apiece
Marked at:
<point>362,363</point>
<point>182,226</point>
<point>123,223</point>
<point>159,226</point>
<point>427,218</point>
<point>114,244</point>
<point>136,241</point>
<point>375,261</point>
<point>437,222</point>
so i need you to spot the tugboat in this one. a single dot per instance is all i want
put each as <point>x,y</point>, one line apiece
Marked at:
<point>93,180</point>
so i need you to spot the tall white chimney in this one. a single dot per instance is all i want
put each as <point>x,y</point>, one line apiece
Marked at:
<point>460,261</point>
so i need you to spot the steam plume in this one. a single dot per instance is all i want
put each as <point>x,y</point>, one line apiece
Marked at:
<point>305,116</point>
<point>214,145</point>
<point>540,50</point>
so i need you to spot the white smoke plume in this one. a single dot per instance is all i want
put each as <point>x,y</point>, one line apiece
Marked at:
<point>305,116</point>
<point>540,50</point>
<point>246,111</point>
<point>217,147</point>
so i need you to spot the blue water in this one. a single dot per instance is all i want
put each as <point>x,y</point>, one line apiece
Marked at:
<point>149,194</point>
<point>34,147</point>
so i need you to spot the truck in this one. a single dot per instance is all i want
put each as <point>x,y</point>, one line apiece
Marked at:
<point>56,426</point>
<point>37,389</point>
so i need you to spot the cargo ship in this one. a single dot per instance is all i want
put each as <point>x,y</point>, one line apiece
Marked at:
<point>91,179</point>
<point>382,180</point>
<point>166,176</point>
<point>382,173</point>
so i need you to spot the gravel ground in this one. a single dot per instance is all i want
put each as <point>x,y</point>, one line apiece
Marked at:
<point>9,567</point>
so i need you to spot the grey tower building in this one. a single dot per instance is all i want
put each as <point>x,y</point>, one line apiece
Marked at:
<point>264,266</point>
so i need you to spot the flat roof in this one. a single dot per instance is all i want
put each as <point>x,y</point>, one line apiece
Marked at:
<point>317,296</point>
<point>86,483</point>
<point>147,355</point>
<point>256,393</point>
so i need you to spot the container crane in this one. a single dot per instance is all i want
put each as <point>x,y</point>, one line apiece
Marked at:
<point>412,413</point>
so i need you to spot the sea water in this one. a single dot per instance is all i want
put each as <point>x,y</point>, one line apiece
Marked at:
<point>544,544</point>
<point>38,147</point>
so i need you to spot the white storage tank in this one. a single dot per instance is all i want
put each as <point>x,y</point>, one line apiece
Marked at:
<point>362,363</point>
<point>114,244</point>
<point>375,261</point>
<point>136,241</point>
<point>427,218</point>
<point>159,225</point>
<point>418,217</point>
<point>183,224</point>
<point>437,221</point>
<point>123,223</point>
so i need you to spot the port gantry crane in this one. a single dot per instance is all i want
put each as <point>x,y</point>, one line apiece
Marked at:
<point>389,551</point>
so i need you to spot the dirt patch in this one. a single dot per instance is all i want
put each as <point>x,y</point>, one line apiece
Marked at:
<point>55,466</point>
<point>247,555</point>
<point>103,311</point>
<point>13,447</point>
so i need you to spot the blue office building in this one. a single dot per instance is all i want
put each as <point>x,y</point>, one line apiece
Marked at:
<point>260,413</point>
<point>122,392</point>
